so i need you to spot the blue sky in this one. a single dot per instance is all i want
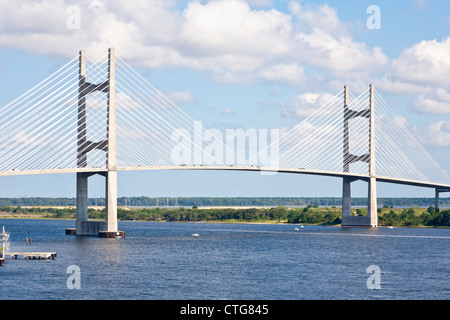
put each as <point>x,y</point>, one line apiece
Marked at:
<point>241,64</point>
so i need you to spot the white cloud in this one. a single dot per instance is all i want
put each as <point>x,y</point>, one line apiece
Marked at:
<point>235,41</point>
<point>232,27</point>
<point>391,86</point>
<point>421,71</point>
<point>33,16</point>
<point>324,41</point>
<point>322,17</point>
<point>437,134</point>
<point>436,101</point>
<point>290,74</point>
<point>305,104</point>
<point>343,57</point>
<point>425,63</point>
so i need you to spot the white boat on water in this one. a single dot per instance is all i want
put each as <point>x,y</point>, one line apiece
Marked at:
<point>195,234</point>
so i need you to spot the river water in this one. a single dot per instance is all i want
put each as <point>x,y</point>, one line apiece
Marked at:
<point>164,261</point>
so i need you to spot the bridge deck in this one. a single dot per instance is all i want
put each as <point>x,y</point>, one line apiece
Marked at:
<point>234,168</point>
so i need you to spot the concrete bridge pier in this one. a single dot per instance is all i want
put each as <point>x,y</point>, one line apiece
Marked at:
<point>86,227</point>
<point>437,194</point>
<point>348,220</point>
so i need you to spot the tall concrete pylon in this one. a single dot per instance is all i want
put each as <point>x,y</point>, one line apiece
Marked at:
<point>371,220</point>
<point>109,227</point>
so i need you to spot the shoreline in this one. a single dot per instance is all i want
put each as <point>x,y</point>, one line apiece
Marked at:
<point>218,221</point>
<point>310,215</point>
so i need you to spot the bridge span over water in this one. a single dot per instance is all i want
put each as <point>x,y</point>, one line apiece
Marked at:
<point>102,117</point>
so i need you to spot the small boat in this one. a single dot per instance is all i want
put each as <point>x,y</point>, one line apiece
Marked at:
<point>195,234</point>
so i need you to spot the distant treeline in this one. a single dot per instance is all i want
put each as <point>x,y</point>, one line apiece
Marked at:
<point>224,201</point>
<point>307,215</point>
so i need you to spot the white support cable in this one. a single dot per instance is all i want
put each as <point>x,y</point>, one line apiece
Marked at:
<point>311,146</point>
<point>48,124</point>
<point>433,173</point>
<point>415,150</point>
<point>143,102</point>
<point>137,123</point>
<point>142,116</point>
<point>138,149</point>
<point>184,121</point>
<point>27,150</point>
<point>166,122</point>
<point>398,169</point>
<point>400,161</point>
<point>29,116</point>
<point>61,144</point>
<point>188,127</point>
<point>157,96</point>
<point>314,119</point>
<point>143,150</point>
<point>299,129</point>
<point>140,159</point>
<point>71,144</point>
<point>74,131</point>
<point>337,159</point>
<point>22,97</point>
<point>315,144</point>
<point>301,146</point>
<point>29,122</point>
<point>299,135</point>
<point>25,110</point>
<point>140,124</point>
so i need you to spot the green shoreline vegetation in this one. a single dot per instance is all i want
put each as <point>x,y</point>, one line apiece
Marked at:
<point>188,202</point>
<point>310,215</point>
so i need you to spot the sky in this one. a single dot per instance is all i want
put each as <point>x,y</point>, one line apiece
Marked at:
<point>241,64</point>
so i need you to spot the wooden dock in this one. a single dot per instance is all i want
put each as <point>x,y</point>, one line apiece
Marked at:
<point>4,251</point>
<point>31,255</point>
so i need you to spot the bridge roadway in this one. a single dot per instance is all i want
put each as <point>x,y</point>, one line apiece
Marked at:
<point>233,168</point>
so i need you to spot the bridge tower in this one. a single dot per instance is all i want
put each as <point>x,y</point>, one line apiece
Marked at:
<point>109,227</point>
<point>371,220</point>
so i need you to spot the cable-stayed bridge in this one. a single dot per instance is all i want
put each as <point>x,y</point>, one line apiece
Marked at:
<point>101,117</point>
